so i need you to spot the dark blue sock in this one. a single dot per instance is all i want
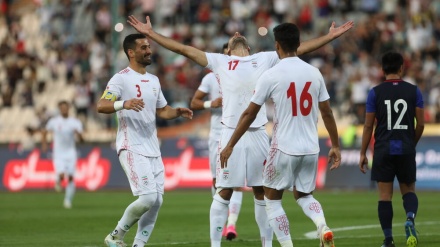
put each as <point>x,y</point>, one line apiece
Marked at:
<point>410,204</point>
<point>385,211</point>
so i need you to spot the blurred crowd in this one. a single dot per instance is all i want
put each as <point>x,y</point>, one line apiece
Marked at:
<point>39,37</point>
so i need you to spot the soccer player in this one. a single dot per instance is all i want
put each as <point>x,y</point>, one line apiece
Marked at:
<point>298,91</point>
<point>64,129</point>
<point>210,86</point>
<point>238,73</point>
<point>136,97</point>
<point>394,104</point>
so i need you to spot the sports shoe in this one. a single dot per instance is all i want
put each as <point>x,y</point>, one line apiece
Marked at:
<point>411,234</point>
<point>388,245</point>
<point>231,233</point>
<point>111,242</point>
<point>326,237</point>
<point>67,204</point>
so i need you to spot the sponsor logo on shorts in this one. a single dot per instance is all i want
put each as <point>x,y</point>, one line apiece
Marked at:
<point>145,233</point>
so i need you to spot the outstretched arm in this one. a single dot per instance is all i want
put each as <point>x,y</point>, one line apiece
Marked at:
<point>169,112</point>
<point>333,33</point>
<point>190,52</point>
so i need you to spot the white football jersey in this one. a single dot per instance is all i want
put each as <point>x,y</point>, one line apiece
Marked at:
<point>210,85</point>
<point>63,130</point>
<point>238,77</point>
<point>296,89</point>
<point>137,130</point>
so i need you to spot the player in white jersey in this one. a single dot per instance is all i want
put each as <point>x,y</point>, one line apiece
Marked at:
<point>64,129</point>
<point>210,86</point>
<point>298,91</point>
<point>238,72</point>
<point>136,97</point>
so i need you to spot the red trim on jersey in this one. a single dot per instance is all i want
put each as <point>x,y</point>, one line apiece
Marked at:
<point>393,80</point>
<point>124,71</point>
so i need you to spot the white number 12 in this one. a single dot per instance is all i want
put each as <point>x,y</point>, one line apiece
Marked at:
<point>396,109</point>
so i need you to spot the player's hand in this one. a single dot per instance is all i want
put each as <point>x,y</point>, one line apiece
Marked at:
<point>217,103</point>
<point>334,158</point>
<point>143,28</point>
<point>363,163</point>
<point>134,104</point>
<point>185,112</point>
<point>335,32</point>
<point>224,156</point>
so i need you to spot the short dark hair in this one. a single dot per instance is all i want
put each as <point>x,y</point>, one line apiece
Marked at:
<point>130,42</point>
<point>63,102</point>
<point>391,62</point>
<point>287,35</point>
<point>225,46</point>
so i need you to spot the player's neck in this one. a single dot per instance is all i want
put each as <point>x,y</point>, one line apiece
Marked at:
<point>287,54</point>
<point>138,68</point>
<point>240,52</point>
<point>393,77</point>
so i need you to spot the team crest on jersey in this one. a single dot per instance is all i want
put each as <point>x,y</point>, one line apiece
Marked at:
<point>109,96</point>
<point>254,64</point>
<point>155,92</point>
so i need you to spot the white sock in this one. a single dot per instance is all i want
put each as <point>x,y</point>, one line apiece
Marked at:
<point>138,243</point>
<point>70,191</point>
<point>147,221</point>
<point>312,209</point>
<point>133,213</point>
<point>266,231</point>
<point>278,221</point>
<point>217,219</point>
<point>234,207</point>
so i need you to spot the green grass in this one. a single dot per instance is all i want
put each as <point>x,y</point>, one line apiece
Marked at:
<point>38,219</point>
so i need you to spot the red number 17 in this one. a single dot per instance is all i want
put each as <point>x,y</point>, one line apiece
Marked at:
<point>305,96</point>
<point>233,64</point>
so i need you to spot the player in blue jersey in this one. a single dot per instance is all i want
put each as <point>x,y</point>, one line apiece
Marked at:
<point>394,104</point>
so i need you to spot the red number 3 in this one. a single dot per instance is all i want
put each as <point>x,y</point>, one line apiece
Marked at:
<point>305,96</point>
<point>139,93</point>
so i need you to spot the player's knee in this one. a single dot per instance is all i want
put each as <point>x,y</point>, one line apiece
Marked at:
<point>147,201</point>
<point>301,195</point>
<point>70,178</point>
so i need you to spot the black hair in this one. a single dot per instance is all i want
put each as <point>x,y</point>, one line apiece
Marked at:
<point>225,46</point>
<point>63,102</point>
<point>130,42</point>
<point>391,62</point>
<point>287,35</point>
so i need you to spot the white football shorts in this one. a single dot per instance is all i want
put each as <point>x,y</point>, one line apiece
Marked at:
<point>246,163</point>
<point>283,171</point>
<point>213,154</point>
<point>145,174</point>
<point>65,165</point>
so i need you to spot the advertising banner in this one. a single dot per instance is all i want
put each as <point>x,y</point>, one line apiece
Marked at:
<point>187,166</point>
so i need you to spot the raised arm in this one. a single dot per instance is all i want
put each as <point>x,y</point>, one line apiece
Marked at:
<point>190,52</point>
<point>333,33</point>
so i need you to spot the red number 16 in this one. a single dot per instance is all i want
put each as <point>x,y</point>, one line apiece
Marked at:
<point>305,96</point>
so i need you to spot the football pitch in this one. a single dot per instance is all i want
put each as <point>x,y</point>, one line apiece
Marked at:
<point>38,219</point>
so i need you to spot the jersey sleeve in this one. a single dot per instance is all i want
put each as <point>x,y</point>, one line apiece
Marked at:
<point>78,126</point>
<point>113,90</point>
<point>262,89</point>
<point>214,60</point>
<point>419,98</point>
<point>204,85</point>
<point>161,101</point>
<point>272,58</point>
<point>50,125</point>
<point>371,101</point>
<point>323,93</point>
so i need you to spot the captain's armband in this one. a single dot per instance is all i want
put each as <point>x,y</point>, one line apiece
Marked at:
<point>109,96</point>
